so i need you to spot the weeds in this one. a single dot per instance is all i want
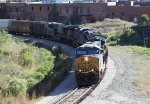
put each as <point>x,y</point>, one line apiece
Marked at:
<point>140,50</point>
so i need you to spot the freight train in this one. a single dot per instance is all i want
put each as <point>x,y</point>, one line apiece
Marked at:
<point>88,42</point>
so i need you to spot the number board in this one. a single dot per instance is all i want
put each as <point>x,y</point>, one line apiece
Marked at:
<point>87,52</point>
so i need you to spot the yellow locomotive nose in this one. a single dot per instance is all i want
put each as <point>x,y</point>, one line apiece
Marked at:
<point>87,69</point>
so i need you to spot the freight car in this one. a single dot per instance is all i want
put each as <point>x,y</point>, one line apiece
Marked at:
<point>18,27</point>
<point>69,34</point>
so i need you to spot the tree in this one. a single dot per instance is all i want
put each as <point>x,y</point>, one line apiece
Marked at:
<point>54,13</point>
<point>75,19</point>
<point>125,38</point>
<point>2,10</point>
<point>145,19</point>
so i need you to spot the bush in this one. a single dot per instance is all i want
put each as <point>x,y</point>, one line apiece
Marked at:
<point>39,76</point>
<point>31,81</point>
<point>27,57</point>
<point>125,37</point>
<point>114,38</point>
<point>17,86</point>
<point>113,43</point>
<point>145,19</point>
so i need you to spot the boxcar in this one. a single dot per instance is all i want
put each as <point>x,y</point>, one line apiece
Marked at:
<point>19,26</point>
<point>38,28</point>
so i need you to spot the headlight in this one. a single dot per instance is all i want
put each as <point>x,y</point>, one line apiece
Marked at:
<point>79,70</point>
<point>92,70</point>
<point>86,58</point>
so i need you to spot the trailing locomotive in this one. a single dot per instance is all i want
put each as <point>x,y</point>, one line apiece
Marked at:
<point>89,43</point>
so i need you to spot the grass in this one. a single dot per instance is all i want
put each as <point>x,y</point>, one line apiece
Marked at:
<point>109,26</point>
<point>141,82</point>
<point>140,50</point>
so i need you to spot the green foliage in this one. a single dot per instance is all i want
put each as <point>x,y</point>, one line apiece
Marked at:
<point>27,57</point>
<point>109,25</point>
<point>38,75</point>
<point>140,50</point>
<point>125,37</point>
<point>145,19</point>
<point>114,38</point>
<point>18,60</point>
<point>4,38</point>
<point>26,65</point>
<point>46,55</point>
<point>46,67</point>
<point>48,63</point>
<point>17,86</point>
<point>31,81</point>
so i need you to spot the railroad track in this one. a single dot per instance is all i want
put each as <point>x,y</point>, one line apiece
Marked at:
<point>78,94</point>
<point>75,96</point>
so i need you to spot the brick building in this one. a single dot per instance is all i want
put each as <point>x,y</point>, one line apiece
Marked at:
<point>63,12</point>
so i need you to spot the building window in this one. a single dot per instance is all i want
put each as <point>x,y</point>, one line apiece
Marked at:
<point>47,8</point>
<point>32,8</point>
<point>67,10</point>
<point>16,9</point>
<point>60,10</point>
<point>40,8</point>
<point>88,10</point>
<point>8,17</point>
<point>10,9</point>
<point>122,13</point>
<point>18,18</point>
<point>81,10</point>
<point>22,9</point>
<point>113,14</point>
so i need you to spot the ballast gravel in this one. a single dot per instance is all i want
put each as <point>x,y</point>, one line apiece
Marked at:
<point>93,98</point>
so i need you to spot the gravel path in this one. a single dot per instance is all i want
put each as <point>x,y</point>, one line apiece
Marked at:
<point>120,90</point>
